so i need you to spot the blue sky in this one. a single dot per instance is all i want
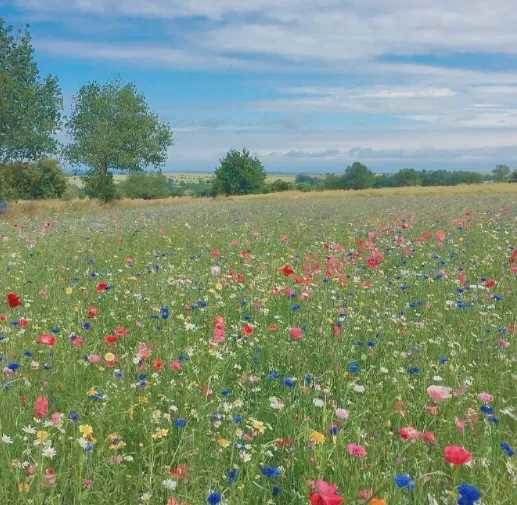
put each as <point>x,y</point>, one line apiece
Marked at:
<point>306,85</point>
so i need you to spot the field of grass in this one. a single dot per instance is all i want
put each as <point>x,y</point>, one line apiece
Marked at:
<point>190,177</point>
<point>243,350</point>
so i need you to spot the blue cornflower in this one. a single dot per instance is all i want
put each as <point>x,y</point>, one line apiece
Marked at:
<point>14,366</point>
<point>353,367</point>
<point>276,491</point>
<point>73,416</point>
<point>404,481</point>
<point>414,370</point>
<point>273,374</point>
<point>271,471</point>
<point>214,498</point>
<point>308,379</point>
<point>487,409</point>
<point>296,307</point>
<point>468,494</point>
<point>232,475</point>
<point>238,419</point>
<point>226,392</point>
<point>506,447</point>
<point>180,423</point>
<point>290,382</point>
<point>165,312</point>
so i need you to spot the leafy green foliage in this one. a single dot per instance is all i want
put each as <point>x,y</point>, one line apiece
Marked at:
<point>100,185</point>
<point>113,128</point>
<point>239,174</point>
<point>145,185</point>
<point>32,181</point>
<point>501,173</point>
<point>30,107</point>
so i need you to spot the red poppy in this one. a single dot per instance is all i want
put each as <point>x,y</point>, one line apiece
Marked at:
<point>47,339</point>
<point>325,494</point>
<point>180,471</point>
<point>490,283</point>
<point>14,300</point>
<point>457,455</point>
<point>102,287</point>
<point>158,364</point>
<point>248,329</point>
<point>23,322</point>
<point>111,339</point>
<point>93,312</point>
<point>287,270</point>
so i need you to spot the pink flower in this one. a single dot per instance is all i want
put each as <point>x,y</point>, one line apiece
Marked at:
<point>57,418</point>
<point>176,365</point>
<point>41,407</point>
<point>356,450</point>
<point>485,397</point>
<point>439,393</point>
<point>342,414</point>
<point>409,433</point>
<point>94,358</point>
<point>296,333</point>
<point>219,333</point>
<point>47,339</point>
<point>457,455</point>
<point>324,493</point>
<point>429,437</point>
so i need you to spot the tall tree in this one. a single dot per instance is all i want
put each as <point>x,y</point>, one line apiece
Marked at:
<point>30,107</point>
<point>113,128</point>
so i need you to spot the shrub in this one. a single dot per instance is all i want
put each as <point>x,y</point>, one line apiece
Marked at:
<point>28,181</point>
<point>145,185</point>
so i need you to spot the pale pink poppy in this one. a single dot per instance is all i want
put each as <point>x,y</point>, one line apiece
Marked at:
<point>439,393</point>
<point>485,397</point>
<point>356,450</point>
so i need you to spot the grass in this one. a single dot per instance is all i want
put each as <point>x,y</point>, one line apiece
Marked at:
<point>374,339</point>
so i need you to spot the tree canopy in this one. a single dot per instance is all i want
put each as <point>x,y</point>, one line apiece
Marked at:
<point>113,128</point>
<point>30,107</point>
<point>239,173</point>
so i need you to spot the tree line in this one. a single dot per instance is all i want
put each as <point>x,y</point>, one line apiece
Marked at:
<point>111,128</point>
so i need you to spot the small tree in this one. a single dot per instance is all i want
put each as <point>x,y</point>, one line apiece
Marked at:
<point>358,176</point>
<point>239,174</point>
<point>112,128</point>
<point>501,173</point>
<point>30,108</point>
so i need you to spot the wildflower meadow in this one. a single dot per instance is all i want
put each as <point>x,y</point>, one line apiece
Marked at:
<point>324,349</point>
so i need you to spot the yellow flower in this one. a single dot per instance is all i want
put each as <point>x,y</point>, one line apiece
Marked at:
<point>258,426</point>
<point>42,436</point>
<point>223,442</point>
<point>109,356</point>
<point>91,392</point>
<point>161,433</point>
<point>69,290</point>
<point>24,487</point>
<point>86,430</point>
<point>316,437</point>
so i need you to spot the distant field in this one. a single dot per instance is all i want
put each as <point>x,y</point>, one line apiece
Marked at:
<point>188,177</point>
